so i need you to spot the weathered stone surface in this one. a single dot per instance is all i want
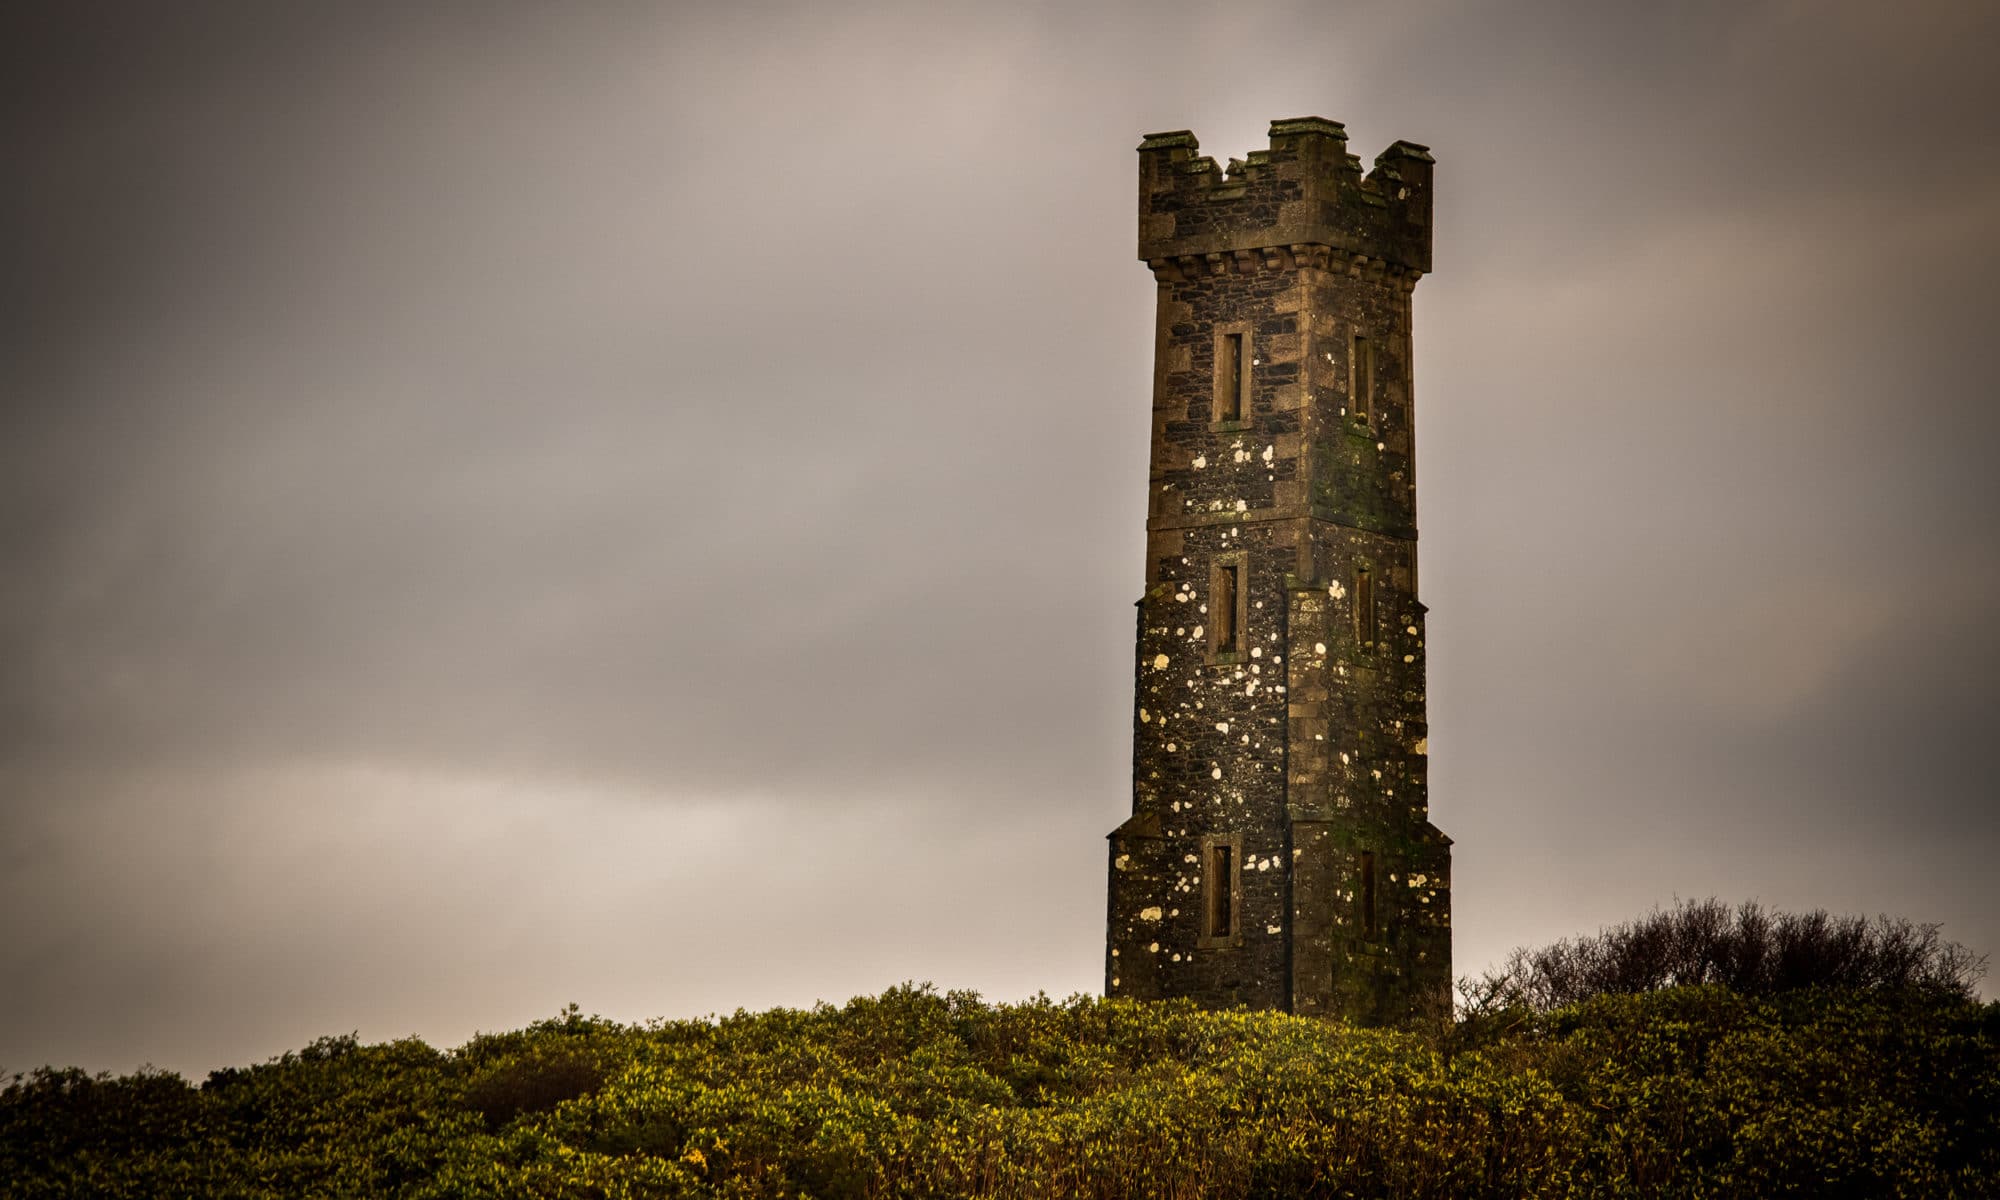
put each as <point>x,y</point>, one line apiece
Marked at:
<point>1298,752</point>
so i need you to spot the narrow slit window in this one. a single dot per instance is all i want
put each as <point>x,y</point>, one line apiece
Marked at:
<point>1364,607</point>
<point>1368,893</point>
<point>1223,609</point>
<point>1230,375</point>
<point>1221,890</point>
<point>1361,381</point>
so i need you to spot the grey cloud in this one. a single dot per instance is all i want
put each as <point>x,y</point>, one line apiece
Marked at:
<point>738,412</point>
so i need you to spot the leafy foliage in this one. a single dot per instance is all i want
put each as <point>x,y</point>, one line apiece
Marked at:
<point>1842,1058</point>
<point>1685,1092</point>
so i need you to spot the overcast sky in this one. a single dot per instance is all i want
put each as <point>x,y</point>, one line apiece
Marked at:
<point>642,505</point>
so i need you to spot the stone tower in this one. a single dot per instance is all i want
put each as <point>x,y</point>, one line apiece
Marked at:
<point>1280,852</point>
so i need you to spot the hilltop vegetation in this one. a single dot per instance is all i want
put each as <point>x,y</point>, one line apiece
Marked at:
<point>1745,949</point>
<point>1682,1091</point>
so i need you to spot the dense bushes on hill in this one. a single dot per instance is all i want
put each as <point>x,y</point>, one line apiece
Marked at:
<point>1687,1092</point>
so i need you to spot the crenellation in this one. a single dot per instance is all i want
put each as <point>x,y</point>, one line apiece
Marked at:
<point>1304,190</point>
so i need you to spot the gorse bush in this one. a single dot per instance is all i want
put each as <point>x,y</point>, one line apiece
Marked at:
<point>1746,949</point>
<point>1688,1092</point>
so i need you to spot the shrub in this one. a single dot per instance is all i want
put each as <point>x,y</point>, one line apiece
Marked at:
<point>1682,1092</point>
<point>534,1083</point>
<point>1747,950</point>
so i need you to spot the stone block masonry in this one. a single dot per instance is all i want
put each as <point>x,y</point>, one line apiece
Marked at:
<point>1280,852</point>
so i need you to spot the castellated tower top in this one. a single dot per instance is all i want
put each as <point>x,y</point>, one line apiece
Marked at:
<point>1304,191</point>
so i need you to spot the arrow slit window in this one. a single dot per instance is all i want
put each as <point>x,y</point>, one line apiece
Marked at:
<point>1364,606</point>
<point>1367,890</point>
<point>1361,375</point>
<point>1234,359</point>
<point>1222,889</point>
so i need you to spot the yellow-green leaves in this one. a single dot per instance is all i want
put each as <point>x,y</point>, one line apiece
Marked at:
<point>1692,1092</point>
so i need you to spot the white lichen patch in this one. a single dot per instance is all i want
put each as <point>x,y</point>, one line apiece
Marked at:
<point>1200,461</point>
<point>1215,772</point>
<point>1273,929</point>
<point>1269,453</point>
<point>1222,727</point>
<point>1408,658</point>
<point>1419,880</point>
<point>1150,913</point>
<point>1256,652</point>
<point>1144,716</point>
<point>1422,746</point>
<point>1319,647</point>
<point>1160,662</point>
<point>1336,590</point>
<point>1153,948</point>
<point>1122,862</point>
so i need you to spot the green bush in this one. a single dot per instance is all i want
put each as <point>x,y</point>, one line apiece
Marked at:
<point>1695,1092</point>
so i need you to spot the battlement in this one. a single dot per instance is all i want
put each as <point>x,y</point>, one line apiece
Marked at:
<point>1304,192</point>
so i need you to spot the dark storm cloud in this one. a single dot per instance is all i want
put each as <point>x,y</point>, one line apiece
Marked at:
<point>693,438</point>
<point>481,481</point>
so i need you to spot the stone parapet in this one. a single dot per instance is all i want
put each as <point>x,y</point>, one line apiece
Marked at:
<point>1303,193</point>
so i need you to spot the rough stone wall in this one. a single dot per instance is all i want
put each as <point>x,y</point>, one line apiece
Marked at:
<point>1301,747</point>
